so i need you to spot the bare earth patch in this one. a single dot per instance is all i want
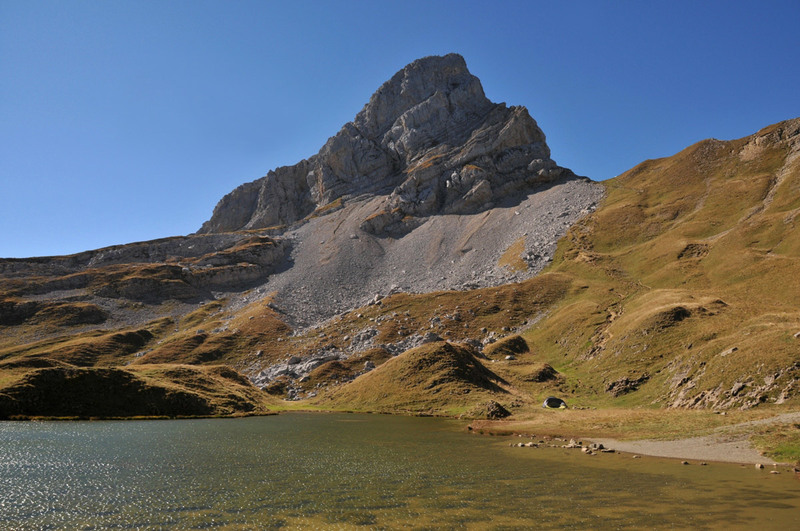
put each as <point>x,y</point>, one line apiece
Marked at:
<point>730,445</point>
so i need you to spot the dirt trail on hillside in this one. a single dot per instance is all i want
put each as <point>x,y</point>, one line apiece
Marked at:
<point>729,445</point>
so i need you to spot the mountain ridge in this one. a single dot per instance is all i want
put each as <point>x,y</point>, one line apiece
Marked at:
<point>412,141</point>
<point>466,252</point>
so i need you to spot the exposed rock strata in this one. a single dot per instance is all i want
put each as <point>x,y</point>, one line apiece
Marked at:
<point>179,268</point>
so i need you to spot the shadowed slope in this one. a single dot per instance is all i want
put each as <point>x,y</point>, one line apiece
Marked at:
<point>155,390</point>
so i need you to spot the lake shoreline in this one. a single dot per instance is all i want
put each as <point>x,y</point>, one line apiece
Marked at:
<point>728,443</point>
<point>725,444</point>
<point>704,449</point>
<point>308,470</point>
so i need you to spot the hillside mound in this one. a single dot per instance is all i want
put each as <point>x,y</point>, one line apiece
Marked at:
<point>148,391</point>
<point>438,377</point>
<point>513,345</point>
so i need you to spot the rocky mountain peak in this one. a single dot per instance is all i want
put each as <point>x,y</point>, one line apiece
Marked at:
<point>428,139</point>
<point>415,84</point>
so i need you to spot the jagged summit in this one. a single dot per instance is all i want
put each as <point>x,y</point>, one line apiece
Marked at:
<point>429,139</point>
<point>444,77</point>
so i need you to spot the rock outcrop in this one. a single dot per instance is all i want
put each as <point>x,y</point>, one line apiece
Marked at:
<point>182,268</point>
<point>429,139</point>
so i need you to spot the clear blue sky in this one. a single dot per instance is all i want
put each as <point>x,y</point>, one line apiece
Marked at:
<point>128,120</point>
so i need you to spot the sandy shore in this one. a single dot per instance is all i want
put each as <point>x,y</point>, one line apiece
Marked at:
<point>731,445</point>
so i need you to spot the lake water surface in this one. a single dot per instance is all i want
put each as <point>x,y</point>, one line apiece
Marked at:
<point>344,471</point>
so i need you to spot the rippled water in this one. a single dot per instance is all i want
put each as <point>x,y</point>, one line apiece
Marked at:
<point>337,470</point>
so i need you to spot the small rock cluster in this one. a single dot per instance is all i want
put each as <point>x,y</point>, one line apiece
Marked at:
<point>294,368</point>
<point>557,442</point>
<point>745,393</point>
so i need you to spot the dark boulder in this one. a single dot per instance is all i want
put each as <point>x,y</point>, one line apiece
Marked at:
<point>554,403</point>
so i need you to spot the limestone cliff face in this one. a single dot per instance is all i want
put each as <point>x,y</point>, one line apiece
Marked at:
<point>429,139</point>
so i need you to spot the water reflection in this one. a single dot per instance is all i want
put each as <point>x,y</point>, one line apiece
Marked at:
<point>317,470</point>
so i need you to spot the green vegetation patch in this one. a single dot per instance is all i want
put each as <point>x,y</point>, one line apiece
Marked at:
<point>781,442</point>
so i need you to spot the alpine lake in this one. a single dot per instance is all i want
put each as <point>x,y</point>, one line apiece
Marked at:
<point>343,471</point>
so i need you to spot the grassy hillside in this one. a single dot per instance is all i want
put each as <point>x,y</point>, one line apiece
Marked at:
<point>61,390</point>
<point>690,280</point>
<point>682,290</point>
<point>162,368</point>
<point>436,378</point>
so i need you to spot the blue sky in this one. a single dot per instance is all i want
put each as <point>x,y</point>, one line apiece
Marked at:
<point>127,121</point>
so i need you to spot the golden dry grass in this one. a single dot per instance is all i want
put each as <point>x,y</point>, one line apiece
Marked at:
<point>512,257</point>
<point>685,259</point>
<point>618,423</point>
<point>681,290</point>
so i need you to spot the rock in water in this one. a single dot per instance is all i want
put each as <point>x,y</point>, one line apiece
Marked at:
<point>429,137</point>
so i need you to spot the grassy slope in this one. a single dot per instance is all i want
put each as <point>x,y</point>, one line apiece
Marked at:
<point>454,316</point>
<point>686,295</point>
<point>146,391</point>
<point>689,274</point>
<point>668,292</point>
<point>436,378</point>
<point>137,371</point>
